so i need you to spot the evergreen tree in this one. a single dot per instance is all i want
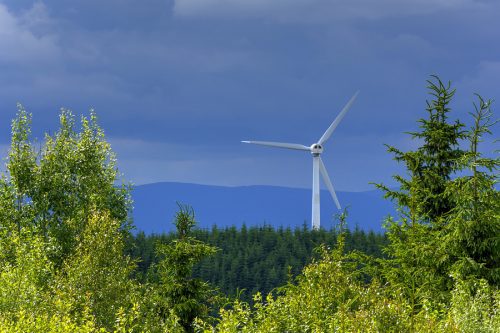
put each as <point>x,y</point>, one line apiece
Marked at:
<point>179,292</point>
<point>471,239</point>
<point>445,222</point>
<point>421,197</point>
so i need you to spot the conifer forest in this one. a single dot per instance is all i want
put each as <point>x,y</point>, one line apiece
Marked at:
<point>71,260</point>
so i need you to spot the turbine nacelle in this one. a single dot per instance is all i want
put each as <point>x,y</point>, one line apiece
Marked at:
<point>316,149</point>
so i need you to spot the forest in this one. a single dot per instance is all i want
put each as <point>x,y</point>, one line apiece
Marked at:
<point>254,259</point>
<point>70,260</point>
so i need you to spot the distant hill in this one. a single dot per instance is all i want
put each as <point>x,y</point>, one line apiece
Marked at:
<point>155,206</point>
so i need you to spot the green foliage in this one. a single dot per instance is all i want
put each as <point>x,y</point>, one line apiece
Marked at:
<point>471,237</point>
<point>442,270</point>
<point>63,225</point>
<point>62,228</point>
<point>56,190</point>
<point>66,254</point>
<point>447,224</point>
<point>475,307</point>
<point>329,296</point>
<point>25,277</point>
<point>46,324</point>
<point>27,302</point>
<point>178,292</point>
<point>254,259</point>
<point>97,273</point>
<point>422,197</point>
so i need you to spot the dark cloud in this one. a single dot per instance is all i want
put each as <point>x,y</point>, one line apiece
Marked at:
<point>178,84</point>
<point>321,11</point>
<point>99,15</point>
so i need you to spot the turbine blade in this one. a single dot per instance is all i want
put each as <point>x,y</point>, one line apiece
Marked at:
<point>328,183</point>
<point>337,120</point>
<point>294,146</point>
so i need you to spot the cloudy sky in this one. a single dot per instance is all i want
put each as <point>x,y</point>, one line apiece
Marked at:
<point>178,83</point>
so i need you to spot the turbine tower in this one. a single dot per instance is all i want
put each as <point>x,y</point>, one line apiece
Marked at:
<point>316,149</point>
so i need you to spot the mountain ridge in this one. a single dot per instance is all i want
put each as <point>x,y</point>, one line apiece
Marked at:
<point>155,205</point>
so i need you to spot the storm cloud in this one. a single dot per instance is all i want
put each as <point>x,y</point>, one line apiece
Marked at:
<point>178,84</point>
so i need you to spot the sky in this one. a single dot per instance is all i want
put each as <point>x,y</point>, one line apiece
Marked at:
<point>177,84</point>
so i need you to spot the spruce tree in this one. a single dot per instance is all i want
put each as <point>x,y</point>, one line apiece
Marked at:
<point>424,202</point>
<point>179,293</point>
<point>472,235</point>
<point>422,195</point>
<point>449,223</point>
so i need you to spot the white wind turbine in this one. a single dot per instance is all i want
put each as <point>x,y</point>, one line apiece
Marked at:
<point>316,150</point>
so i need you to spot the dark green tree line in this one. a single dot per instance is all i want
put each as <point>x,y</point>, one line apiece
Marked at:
<point>254,259</point>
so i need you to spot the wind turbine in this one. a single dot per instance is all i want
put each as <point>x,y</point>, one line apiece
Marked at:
<point>316,149</point>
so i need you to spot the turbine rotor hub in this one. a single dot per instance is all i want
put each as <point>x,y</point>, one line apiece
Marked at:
<point>316,149</point>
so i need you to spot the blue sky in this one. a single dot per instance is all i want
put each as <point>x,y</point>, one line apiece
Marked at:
<point>178,83</point>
